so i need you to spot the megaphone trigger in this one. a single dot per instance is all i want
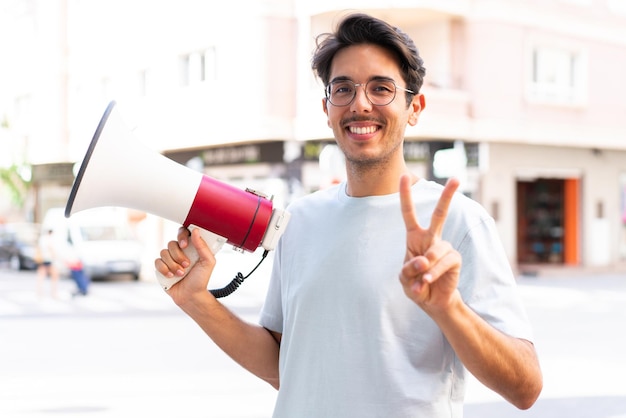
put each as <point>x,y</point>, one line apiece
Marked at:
<point>213,241</point>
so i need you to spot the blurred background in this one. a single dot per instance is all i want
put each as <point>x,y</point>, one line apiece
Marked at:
<point>525,104</point>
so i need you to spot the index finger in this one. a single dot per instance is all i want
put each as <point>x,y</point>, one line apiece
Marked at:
<point>406,204</point>
<point>183,235</point>
<point>441,210</point>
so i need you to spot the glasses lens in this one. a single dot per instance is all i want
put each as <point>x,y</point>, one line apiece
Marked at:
<point>341,93</point>
<point>378,92</point>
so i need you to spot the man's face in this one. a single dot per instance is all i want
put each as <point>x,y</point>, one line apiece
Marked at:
<point>370,135</point>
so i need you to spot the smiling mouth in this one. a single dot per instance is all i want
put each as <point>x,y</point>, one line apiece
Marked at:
<point>363,130</point>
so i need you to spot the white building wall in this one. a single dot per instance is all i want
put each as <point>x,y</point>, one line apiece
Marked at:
<point>599,171</point>
<point>120,41</point>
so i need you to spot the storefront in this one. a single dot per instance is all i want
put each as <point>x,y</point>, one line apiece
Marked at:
<point>552,205</point>
<point>304,167</point>
<point>51,186</point>
<point>548,221</point>
<point>557,206</point>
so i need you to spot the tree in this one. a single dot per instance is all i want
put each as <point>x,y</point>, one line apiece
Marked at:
<point>16,182</point>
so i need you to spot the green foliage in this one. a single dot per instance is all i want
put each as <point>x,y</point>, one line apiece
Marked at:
<point>17,185</point>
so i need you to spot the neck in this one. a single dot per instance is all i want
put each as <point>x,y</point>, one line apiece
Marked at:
<point>376,180</point>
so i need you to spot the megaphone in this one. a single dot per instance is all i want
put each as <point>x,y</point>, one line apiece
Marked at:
<point>118,170</point>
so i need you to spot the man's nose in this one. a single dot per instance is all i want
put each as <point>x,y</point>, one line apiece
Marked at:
<point>361,102</point>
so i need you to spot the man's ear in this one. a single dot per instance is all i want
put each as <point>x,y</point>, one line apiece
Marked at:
<point>417,105</point>
<point>325,107</point>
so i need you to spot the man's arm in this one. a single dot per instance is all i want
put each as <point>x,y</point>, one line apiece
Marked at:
<point>252,346</point>
<point>507,365</point>
<point>430,278</point>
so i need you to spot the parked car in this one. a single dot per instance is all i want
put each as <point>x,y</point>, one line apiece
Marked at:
<point>18,245</point>
<point>101,238</point>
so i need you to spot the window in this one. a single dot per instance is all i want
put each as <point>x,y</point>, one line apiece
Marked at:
<point>198,66</point>
<point>617,6</point>
<point>557,75</point>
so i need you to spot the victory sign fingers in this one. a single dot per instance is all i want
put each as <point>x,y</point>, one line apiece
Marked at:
<point>431,269</point>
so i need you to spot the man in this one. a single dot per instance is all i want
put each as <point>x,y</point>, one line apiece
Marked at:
<point>369,314</point>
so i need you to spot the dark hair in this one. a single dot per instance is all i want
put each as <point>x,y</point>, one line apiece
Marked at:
<point>360,28</point>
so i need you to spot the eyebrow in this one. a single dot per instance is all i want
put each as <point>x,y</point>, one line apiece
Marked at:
<point>376,77</point>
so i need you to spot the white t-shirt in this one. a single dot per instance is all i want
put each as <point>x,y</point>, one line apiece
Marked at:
<point>353,344</point>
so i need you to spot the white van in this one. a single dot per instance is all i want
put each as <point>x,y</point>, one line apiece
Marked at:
<point>101,238</point>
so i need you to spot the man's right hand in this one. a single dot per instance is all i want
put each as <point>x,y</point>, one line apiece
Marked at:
<point>174,262</point>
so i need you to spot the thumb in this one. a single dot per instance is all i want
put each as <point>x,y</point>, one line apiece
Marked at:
<point>204,252</point>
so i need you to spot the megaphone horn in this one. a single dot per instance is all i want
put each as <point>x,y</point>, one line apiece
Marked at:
<point>120,171</point>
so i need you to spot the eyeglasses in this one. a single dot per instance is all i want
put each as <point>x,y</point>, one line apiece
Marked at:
<point>378,92</point>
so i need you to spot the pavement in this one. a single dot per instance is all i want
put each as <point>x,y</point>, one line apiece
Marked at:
<point>578,316</point>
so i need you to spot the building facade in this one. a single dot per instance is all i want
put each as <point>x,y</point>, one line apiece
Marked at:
<point>524,102</point>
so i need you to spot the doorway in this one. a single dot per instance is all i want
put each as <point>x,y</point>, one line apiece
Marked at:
<point>548,221</point>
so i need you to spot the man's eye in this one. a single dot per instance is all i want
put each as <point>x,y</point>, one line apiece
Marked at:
<point>382,88</point>
<point>343,89</point>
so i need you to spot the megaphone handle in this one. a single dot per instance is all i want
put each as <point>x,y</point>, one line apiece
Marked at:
<point>215,243</point>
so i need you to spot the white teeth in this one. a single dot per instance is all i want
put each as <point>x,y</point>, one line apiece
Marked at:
<point>361,130</point>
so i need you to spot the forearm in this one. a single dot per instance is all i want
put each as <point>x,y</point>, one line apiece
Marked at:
<point>505,364</point>
<point>250,345</point>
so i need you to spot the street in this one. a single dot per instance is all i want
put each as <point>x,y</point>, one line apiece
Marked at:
<point>579,327</point>
<point>126,350</point>
<point>123,351</point>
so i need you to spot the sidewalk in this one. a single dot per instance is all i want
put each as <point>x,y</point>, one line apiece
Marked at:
<point>577,315</point>
<point>560,270</point>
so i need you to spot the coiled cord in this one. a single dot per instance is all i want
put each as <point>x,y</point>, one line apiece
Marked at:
<point>236,282</point>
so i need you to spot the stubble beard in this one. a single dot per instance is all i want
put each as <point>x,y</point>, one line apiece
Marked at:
<point>361,166</point>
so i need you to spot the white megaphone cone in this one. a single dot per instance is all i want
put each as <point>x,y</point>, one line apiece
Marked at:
<point>120,171</point>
